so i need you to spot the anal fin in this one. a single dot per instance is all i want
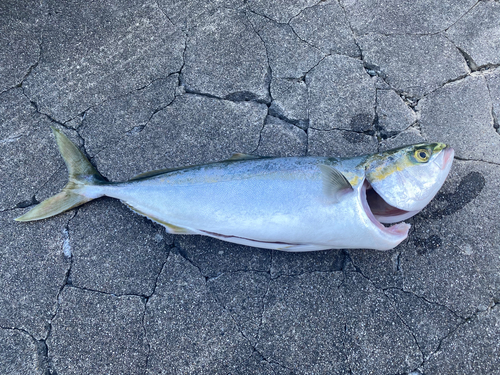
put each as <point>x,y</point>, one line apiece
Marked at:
<point>303,247</point>
<point>171,228</point>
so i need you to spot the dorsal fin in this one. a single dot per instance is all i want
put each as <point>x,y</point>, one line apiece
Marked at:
<point>234,157</point>
<point>240,156</point>
<point>156,172</point>
<point>334,183</point>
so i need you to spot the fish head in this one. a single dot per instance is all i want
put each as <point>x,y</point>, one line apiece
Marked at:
<point>404,180</point>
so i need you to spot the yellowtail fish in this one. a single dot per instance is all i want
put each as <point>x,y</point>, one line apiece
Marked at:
<point>290,204</point>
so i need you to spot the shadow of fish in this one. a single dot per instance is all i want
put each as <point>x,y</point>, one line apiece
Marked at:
<point>290,204</point>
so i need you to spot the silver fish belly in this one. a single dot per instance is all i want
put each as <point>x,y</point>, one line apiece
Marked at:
<point>290,204</point>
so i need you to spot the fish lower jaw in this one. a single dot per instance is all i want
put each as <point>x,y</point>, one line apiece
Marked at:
<point>395,233</point>
<point>399,229</point>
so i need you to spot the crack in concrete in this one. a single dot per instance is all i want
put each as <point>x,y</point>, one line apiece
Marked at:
<point>8,89</point>
<point>33,66</point>
<point>276,277</point>
<point>209,278</point>
<point>394,307</point>
<point>34,200</point>
<point>62,124</point>
<point>455,314</point>
<point>476,160</point>
<point>384,135</point>
<point>370,133</point>
<point>411,101</point>
<point>239,329</point>
<point>375,71</point>
<point>118,295</point>
<point>419,33</point>
<point>163,12</point>
<point>463,319</point>
<point>264,16</point>
<point>304,76</point>
<point>83,113</point>
<point>132,131</point>
<point>139,128</point>
<point>235,97</point>
<point>302,124</point>
<point>302,10</point>
<point>379,134</point>
<point>348,21</point>
<point>269,75</point>
<point>66,282</point>
<point>13,138</point>
<point>11,209</point>
<point>462,16</point>
<point>358,270</point>
<point>146,301</point>
<point>471,64</point>
<point>347,360</point>
<point>119,97</point>
<point>494,115</point>
<point>41,349</point>
<point>214,296</point>
<point>260,136</point>
<point>468,59</point>
<point>183,254</point>
<point>233,319</point>
<point>382,290</point>
<point>263,299</point>
<point>309,43</point>
<point>180,80</point>
<point>270,112</point>
<point>442,85</point>
<point>342,296</point>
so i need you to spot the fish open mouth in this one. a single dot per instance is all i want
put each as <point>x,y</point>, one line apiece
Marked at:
<point>380,212</point>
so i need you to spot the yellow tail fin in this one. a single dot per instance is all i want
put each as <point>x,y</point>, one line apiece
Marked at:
<point>81,173</point>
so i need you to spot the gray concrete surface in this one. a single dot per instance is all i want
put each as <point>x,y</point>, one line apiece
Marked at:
<point>141,85</point>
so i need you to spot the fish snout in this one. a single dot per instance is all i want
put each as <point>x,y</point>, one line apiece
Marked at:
<point>446,158</point>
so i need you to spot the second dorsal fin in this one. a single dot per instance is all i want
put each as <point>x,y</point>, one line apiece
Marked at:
<point>240,156</point>
<point>234,157</point>
<point>155,173</point>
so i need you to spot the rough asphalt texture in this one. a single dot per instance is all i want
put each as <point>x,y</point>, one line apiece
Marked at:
<point>147,84</point>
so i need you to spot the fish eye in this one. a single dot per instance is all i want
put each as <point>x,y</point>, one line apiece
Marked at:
<point>422,155</point>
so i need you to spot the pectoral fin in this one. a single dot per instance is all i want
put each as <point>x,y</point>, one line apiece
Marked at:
<point>335,185</point>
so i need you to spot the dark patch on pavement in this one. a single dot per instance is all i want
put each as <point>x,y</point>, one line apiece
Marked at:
<point>469,188</point>
<point>425,245</point>
<point>302,262</point>
<point>27,203</point>
<point>241,96</point>
<point>353,137</point>
<point>361,122</point>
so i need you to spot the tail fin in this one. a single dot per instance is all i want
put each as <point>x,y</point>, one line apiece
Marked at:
<point>81,173</point>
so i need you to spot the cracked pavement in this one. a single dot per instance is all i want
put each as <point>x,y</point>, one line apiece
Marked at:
<point>143,85</point>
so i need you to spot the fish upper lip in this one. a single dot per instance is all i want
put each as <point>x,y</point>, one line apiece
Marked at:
<point>448,155</point>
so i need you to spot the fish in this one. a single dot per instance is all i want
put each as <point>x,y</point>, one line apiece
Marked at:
<point>284,203</point>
